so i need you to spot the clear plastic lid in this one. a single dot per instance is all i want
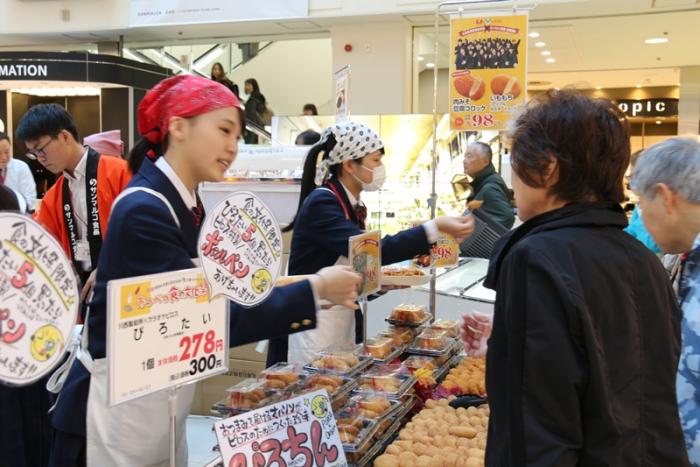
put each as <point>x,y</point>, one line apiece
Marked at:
<point>449,325</point>
<point>400,335</point>
<point>332,383</point>
<point>251,394</point>
<point>409,313</point>
<point>341,362</point>
<point>373,407</point>
<point>379,347</point>
<point>355,432</point>
<point>283,375</point>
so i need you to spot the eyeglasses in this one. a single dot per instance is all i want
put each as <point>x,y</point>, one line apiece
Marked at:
<point>35,154</point>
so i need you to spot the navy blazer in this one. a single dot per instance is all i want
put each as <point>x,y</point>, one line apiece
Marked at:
<point>143,239</point>
<point>321,235</point>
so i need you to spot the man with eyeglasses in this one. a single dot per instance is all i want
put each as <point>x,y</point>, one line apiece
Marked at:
<point>76,208</point>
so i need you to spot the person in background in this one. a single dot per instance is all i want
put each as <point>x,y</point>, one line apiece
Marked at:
<point>636,226</point>
<point>667,181</point>
<point>585,341</point>
<point>254,108</point>
<point>310,109</point>
<point>307,138</point>
<point>108,142</point>
<point>76,208</point>
<point>16,174</point>
<point>219,75</point>
<point>190,127</point>
<point>330,212</point>
<point>487,185</point>
<point>25,426</point>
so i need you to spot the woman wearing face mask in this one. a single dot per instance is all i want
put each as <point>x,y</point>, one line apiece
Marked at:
<point>330,212</point>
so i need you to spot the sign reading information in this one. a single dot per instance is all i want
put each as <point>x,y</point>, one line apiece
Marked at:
<point>163,331</point>
<point>366,259</point>
<point>297,432</point>
<point>487,70</point>
<point>445,252</point>
<point>38,300</point>
<point>240,246</point>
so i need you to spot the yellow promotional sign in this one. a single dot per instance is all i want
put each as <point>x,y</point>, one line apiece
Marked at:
<point>488,63</point>
<point>366,259</point>
<point>445,252</point>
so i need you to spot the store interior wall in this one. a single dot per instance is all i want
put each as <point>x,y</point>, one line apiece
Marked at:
<point>292,73</point>
<point>425,91</point>
<point>380,66</point>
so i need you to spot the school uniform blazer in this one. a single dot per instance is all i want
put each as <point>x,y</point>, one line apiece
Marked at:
<point>321,234</point>
<point>143,239</point>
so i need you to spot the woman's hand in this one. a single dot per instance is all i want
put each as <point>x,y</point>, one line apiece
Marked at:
<point>338,285</point>
<point>476,329</point>
<point>459,227</point>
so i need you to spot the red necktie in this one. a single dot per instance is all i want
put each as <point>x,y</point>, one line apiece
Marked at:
<point>361,214</point>
<point>198,213</point>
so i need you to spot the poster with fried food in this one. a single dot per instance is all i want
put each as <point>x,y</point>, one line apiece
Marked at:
<point>488,66</point>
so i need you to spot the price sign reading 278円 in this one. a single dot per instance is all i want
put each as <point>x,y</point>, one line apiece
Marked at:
<point>163,331</point>
<point>240,246</point>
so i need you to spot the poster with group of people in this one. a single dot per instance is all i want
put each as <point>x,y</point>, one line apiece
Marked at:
<point>487,70</point>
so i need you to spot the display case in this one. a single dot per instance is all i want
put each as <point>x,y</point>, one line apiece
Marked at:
<point>458,290</point>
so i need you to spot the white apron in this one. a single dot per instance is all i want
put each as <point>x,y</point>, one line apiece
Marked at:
<point>335,330</point>
<point>135,433</point>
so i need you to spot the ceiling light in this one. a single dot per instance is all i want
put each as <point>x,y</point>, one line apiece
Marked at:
<point>658,122</point>
<point>540,44</point>
<point>420,58</point>
<point>599,87</point>
<point>639,86</point>
<point>534,34</point>
<point>430,65</point>
<point>656,40</point>
<point>546,53</point>
<point>550,60</point>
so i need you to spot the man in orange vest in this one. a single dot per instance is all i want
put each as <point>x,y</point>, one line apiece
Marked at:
<point>76,208</point>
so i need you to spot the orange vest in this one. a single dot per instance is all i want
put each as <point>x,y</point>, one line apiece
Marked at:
<point>112,177</point>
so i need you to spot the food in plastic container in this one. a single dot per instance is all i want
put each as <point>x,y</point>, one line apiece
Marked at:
<point>331,383</point>
<point>372,407</point>
<point>382,383</point>
<point>336,361</point>
<point>355,431</point>
<point>431,339</point>
<point>251,394</point>
<point>415,362</point>
<point>400,335</point>
<point>379,347</point>
<point>407,313</point>
<point>282,375</point>
<point>449,325</point>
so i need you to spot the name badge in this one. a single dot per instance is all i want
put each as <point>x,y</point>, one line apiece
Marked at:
<point>82,250</point>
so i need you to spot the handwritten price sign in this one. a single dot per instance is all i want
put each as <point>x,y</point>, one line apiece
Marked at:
<point>163,331</point>
<point>38,300</point>
<point>297,432</point>
<point>240,246</point>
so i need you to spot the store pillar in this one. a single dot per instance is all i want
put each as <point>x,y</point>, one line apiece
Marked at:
<point>689,102</point>
<point>380,61</point>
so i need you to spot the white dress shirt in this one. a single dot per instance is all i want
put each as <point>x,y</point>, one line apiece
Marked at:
<point>76,184</point>
<point>188,197</point>
<point>20,179</point>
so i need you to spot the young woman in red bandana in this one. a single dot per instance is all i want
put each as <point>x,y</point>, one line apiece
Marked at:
<point>191,127</point>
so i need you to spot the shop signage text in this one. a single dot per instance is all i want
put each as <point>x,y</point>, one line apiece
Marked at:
<point>648,107</point>
<point>22,70</point>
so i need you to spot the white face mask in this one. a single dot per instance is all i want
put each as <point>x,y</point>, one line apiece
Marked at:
<point>378,177</point>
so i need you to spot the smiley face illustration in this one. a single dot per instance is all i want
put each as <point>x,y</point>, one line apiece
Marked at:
<point>319,407</point>
<point>45,342</point>
<point>261,280</point>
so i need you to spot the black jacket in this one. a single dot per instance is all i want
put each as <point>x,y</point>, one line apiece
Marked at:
<point>581,364</point>
<point>489,187</point>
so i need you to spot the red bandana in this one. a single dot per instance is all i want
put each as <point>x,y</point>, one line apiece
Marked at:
<point>180,96</point>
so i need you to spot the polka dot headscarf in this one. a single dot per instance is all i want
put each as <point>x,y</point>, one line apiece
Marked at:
<point>353,141</point>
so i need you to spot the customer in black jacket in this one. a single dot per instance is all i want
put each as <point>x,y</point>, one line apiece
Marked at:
<point>254,108</point>
<point>585,344</point>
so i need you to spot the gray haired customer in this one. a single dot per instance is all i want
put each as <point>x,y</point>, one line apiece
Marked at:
<point>667,180</point>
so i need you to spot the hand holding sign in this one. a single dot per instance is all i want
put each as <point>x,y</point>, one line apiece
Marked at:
<point>38,300</point>
<point>240,246</point>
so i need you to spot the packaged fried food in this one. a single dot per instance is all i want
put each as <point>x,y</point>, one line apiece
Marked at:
<point>409,313</point>
<point>251,394</point>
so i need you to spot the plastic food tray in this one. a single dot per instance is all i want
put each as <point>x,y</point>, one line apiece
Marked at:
<point>407,383</point>
<point>365,361</point>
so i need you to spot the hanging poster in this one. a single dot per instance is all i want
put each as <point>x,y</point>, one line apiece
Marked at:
<point>342,92</point>
<point>297,432</point>
<point>366,259</point>
<point>163,331</point>
<point>162,12</point>
<point>38,300</point>
<point>488,64</point>
<point>240,246</point>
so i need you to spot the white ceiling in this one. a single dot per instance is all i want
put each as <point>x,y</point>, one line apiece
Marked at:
<point>598,42</point>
